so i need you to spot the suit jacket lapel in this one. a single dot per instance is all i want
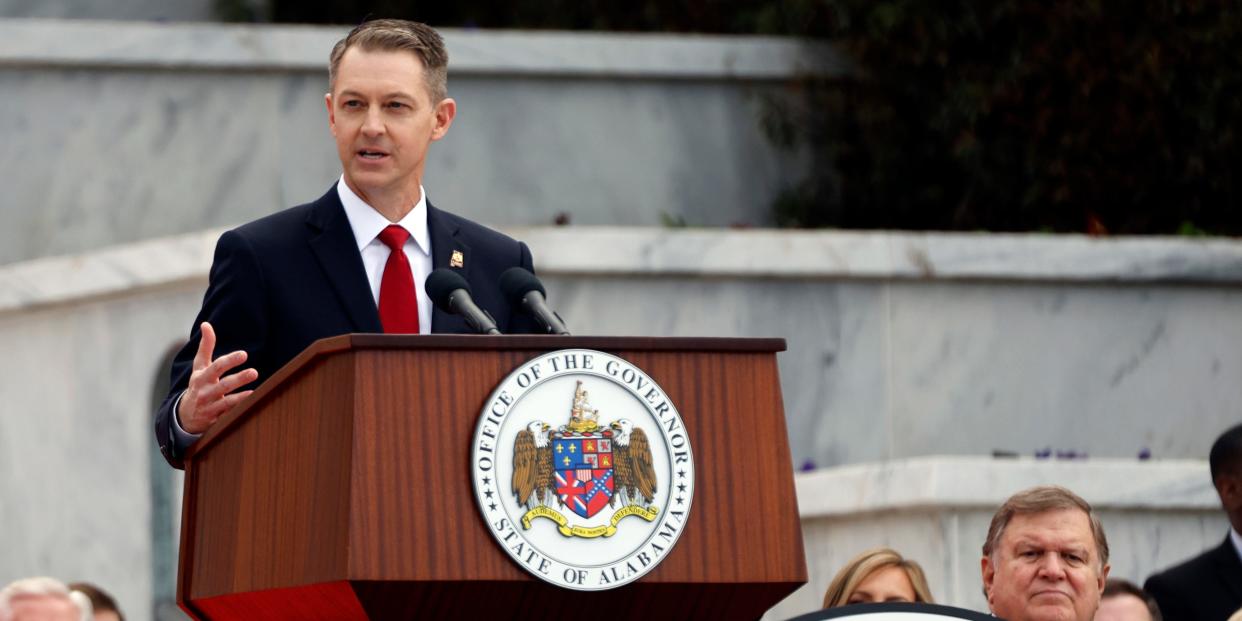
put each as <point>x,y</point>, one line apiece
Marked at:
<point>1229,568</point>
<point>332,241</point>
<point>444,243</point>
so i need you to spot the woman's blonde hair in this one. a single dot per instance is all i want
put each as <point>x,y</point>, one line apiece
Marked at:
<point>863,565</point>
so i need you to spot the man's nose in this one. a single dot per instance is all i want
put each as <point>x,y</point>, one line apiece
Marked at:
<point>373,123</point>
<point>1051,566</point>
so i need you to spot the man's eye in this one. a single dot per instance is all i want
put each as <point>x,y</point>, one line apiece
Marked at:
<point>396,105</point>
<point>1075,559</point>
<point>353,103</point>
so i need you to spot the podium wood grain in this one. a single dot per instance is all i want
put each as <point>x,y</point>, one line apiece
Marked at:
<point>341,488</point>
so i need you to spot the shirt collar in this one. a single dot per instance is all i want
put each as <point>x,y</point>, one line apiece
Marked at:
<point>367,223</point>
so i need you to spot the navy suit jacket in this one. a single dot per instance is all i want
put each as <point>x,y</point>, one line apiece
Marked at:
<point>284,281</point>
<point>1207,587</point>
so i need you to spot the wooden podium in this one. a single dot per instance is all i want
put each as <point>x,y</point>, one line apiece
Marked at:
<point>341,489</point>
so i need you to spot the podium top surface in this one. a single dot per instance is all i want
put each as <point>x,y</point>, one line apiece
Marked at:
<point>549,342</point>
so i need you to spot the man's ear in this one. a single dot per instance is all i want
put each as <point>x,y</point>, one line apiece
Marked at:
<point>327,100</point>
<point>1229,488</point>
<point>989,574</point>
<point>1104,576</point>
<point>446,111</point>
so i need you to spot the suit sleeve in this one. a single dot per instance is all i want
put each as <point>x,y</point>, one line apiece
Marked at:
<point>1168,598</point>
<point>236,307</point>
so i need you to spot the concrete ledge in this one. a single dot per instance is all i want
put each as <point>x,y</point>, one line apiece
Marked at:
<point>981,483</point>
<point>712,253</point>
<point>102,44</point>
<point>116,270</point>
<point>885,255</point>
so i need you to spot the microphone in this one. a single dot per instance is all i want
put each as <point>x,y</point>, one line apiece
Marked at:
<point>451,294</point>
<point>523,289</point>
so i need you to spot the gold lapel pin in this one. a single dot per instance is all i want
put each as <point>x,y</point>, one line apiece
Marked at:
<point>458,259</point>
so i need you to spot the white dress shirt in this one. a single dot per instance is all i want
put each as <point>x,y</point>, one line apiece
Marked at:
<point>367,223</point>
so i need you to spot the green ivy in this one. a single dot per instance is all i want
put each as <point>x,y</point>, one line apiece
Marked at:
<point>1106,117</point>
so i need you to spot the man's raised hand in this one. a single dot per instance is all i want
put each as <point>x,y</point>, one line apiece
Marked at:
<point>210,393</point>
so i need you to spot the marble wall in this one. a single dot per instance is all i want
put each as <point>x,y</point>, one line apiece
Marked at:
<point>168,10</point>
<point>899,346</point>
<point>936,511</point>
<point>900,343</point>
<point>127,131</point>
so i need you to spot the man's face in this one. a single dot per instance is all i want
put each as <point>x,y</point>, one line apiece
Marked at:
<point>44,608</point>
<point>383,119</point>
<point>1046,568</point>
<point>1122,607</point>
<point>1229,487</point>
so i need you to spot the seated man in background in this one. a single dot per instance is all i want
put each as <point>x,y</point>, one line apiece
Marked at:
<point>1045,557</point>
<point>41,599</point>
<point>1125,601</point>
<point>1209,586</point>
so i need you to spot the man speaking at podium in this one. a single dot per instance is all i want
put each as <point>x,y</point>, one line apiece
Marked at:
<point>355,260</point>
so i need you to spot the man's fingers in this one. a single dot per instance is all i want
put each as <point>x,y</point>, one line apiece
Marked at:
<point>222,365</point>
<point>220,406</point>
<point>206,345</point>
<point>208,394</point>
<point>235,398</point>
<point>237,380</point>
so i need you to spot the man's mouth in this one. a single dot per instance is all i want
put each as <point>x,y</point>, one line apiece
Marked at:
<point>1053,593</point>
<point>371,154</point>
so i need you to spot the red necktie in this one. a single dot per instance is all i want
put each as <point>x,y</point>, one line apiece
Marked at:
<point>398,307</point>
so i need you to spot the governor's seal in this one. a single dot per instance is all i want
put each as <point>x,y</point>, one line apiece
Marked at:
<point>583,469</point>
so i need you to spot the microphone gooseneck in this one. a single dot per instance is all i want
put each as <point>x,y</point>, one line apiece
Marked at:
<point>524,290</point>
<point>451,294</point>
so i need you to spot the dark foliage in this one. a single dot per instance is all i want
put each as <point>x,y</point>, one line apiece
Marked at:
<point>1119,117</point>
<point>703,16</point>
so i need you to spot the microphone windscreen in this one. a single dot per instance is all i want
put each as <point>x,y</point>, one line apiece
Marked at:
<point>516,282</point>
<point>441,284</point>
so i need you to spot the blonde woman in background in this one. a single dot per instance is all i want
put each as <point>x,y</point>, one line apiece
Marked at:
<point>879,575</point>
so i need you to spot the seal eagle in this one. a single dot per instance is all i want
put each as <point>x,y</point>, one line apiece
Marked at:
<point>532,465</point>
<point>631,464</point>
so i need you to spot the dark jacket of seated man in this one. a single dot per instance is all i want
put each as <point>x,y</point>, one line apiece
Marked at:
<point>284,281</point>
<point>1208,586</point>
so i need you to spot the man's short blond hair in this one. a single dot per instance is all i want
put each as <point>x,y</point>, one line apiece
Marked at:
<point>1038,500</point>
<point>389,35</point>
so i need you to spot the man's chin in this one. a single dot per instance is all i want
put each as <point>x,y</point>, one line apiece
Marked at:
<point>370,176</point>
<point>369,181</point>
<point>1054,608</point>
